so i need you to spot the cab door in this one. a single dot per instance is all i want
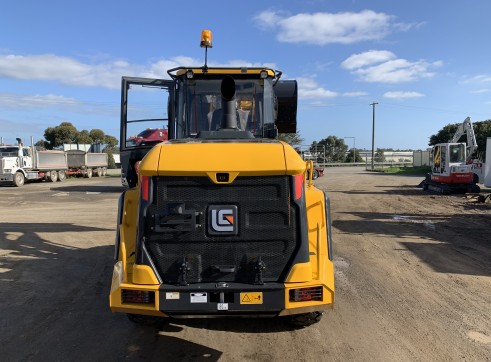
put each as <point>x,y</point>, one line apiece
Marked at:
<point>437,159</point>
<point>146,105</point>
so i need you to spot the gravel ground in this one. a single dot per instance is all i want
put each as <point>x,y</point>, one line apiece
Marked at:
<point>413,281</point>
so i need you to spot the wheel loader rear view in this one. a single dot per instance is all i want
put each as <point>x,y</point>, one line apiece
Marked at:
<point>219,220</point>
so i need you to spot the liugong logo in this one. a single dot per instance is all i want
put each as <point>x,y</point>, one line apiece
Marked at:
<point>222,220</point>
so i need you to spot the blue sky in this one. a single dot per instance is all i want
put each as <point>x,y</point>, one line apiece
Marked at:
<point>426,63</point>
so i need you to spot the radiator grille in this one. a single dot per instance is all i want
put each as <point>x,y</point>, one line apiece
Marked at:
<point>266,237</point>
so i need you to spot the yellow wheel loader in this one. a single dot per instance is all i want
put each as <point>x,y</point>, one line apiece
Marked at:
<point>220,220</point>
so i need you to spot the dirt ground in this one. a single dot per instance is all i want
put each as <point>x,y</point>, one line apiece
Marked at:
<point>413,281</point>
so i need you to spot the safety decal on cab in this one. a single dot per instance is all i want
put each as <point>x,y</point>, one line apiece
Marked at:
<point>251,298</point>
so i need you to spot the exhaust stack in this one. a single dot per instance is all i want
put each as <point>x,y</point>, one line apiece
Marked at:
<point>229,106</point>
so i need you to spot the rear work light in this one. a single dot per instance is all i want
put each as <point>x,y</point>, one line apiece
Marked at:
<point>137,296</point>
<point>306,294</point>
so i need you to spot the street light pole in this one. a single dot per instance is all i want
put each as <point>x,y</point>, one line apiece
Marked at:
<point>354,148</point>
<point>373,131</point>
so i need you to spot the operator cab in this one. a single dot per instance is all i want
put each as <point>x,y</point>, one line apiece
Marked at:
<point>212,102</point>
<point>201,105</point>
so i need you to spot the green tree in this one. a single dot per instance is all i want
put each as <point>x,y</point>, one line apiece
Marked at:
<point>41,144</point>
<point>111,149</point>
<point>379,155</point>
<point>83,137</point>
<point>57,136</point>
<point>110,160</point>
<point>110,141</point>
<point>67,133</point>
<point>482,130</point>
<point>335,148</point>
<point>97,136</point>
<point>350,156</point>
<point>294,139</point>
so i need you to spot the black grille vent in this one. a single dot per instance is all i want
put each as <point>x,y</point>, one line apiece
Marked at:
<point>260,252</point>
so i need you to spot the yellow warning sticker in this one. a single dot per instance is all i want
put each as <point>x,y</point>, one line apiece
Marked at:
<point>251,298</point>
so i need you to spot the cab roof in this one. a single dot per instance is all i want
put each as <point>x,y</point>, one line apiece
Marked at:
<point>241,71</point>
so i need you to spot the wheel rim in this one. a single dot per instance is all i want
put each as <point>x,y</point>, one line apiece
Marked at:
<point>19,179</point>
<point>53,176</point>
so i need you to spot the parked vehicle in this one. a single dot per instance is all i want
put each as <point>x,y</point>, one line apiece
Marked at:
<point>86,164</point>
<point>314,154</point>
<point>220,220</point>
<point>19,163</point>
<point>148,136</point>
<point>452,167</point>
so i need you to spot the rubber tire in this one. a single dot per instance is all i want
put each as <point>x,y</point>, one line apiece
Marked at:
<point>52,176</point>
<point>473,189</point>
<point>305,319</point>
<point>315,175</point>
<point>88,173</point>
<point>61,175</point>
<point>19,179</point>
<point>142,320</point>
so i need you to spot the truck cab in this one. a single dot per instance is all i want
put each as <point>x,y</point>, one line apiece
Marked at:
<point>13,159</point>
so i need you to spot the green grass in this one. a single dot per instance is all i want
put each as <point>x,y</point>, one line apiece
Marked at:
<point>407,170</point>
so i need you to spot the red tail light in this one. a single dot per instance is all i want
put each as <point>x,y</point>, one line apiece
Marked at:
<point>137,296</point>
<point>145,188</point>
<point>298,185</point>
<point>306,294</point>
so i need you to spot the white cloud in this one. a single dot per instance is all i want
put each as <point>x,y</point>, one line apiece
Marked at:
<point>382,67</point>
<point>21,102</point>
<point>408,26</point>
<point>107,74</point>
<point>355,94</point>
<point>267,19</point>
<point>49,67</point>
<point>479,91</point>
<point>308,88</point>
<point>367,58</point>
<point>402,95</point>
<point>328,28</point>
<point>481,78</point>
<point>9,100</point>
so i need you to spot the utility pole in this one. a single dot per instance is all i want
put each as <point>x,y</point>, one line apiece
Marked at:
<point>373,131</point>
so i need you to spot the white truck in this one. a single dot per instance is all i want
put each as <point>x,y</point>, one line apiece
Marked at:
<point>19,163</point>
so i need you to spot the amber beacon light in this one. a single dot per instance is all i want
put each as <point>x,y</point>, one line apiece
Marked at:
<point>206,43</point>
<point>206,39</point>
